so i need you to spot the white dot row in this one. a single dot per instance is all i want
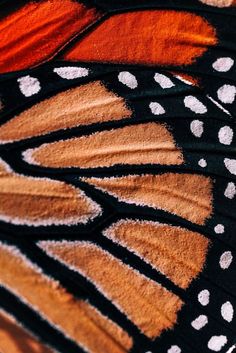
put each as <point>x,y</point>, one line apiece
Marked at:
<point>225,134</point>
<point>216,343</point>
<point>230,165</point>
<point>30,86</point>
<point>227,310</point>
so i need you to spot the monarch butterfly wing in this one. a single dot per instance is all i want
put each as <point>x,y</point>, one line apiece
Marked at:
<point>118,189</point>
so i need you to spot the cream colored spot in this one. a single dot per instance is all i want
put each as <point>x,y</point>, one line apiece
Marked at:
<point>218,3</point>
<point>202,163</point>
<point>226,135</point>
<point>227,311</point>
<point>226,260</point>
<point>196,128</point>
<point>226,94</point>
<point>199,322</point>
<point>195,105</point>
<point>29,85</point>
<point>219,229</point>
<point>174,349</point>
<point>230,190</point>
<point>71,72</point>
<point>164,81</point>
<point>204,297</point>
<point>156,108</point>
<point>216,343</point>
<point>223,64</point>
<point>230,164</point>
<point>128,79</point>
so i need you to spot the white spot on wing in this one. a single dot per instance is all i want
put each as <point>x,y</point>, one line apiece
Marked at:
<point>218,105</point>
<point>71,72</point>
<point>182,79</point>
<point>204,297</point>
<point>219,229</point>
<point>196,128</point>
<point>223,64</point>
<point>202,163</point>
<point>230,191</point>
<point>226,94</point>
<point>218,3</point>
<point>199,322</point>
<point>227,311</point>
<point>232,349</point>
<point>216,343</point>
<point>174,349</point>
<point>195,105</point>
<point>226,260</point>
<point>226,135</point>
<point>29,85</point>
<point>156,108</point>
<point>128,79</point>
<point>230,164</point>
<point>164,81</point>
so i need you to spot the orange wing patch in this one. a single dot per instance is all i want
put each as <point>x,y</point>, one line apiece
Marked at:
<point>15,339</point>
<point>35,32</point>
<point>42,201</point>
<point>186,195</point>
<point>177,252</point>
<point>89,328</point>
<point>137,144</point>
<point>83,105</point>
<point>142,38</point>
<point>151,307</point>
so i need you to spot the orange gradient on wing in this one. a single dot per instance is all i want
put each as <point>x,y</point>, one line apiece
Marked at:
<point>16,339</point>
<point>35,32</point>
<point>146,37</point>
<point>151,307</point>
<point>74,317</point>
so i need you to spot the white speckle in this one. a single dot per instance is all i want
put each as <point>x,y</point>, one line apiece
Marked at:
<point>156,108</point>
<point>195,105</point>
<point>216,343</point>
<point>230,165</point>
<point>174,349</point>
<point>128,79</point>
<point>218,105</point>
<point>29,85</point>
<point>199,322</point>
<point>227,311</point>
<point>196,128</point>
<point>182,79</point>
<point>218,3</point>
<point>226,135</point>
<point>232,349</point>
<point>226,94</point>
<point>219,229</point>
<point>230,190</point>
<point>202,163</point>
<point>226,260</point>
<point>223,64</point>
<point>71,72</point>
<point>164,81</point>
<point>204,297</point>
